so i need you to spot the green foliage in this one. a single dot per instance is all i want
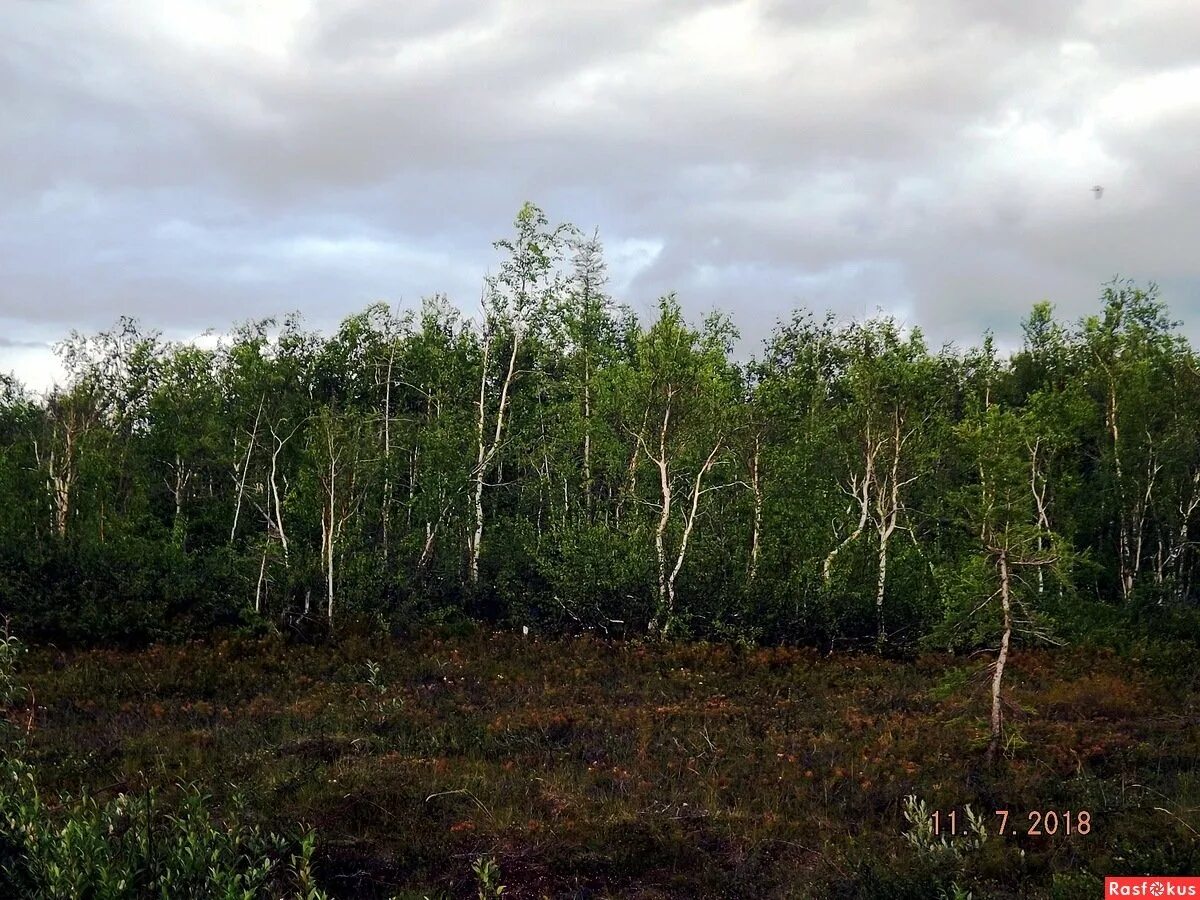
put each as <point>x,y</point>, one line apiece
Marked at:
<point>923,834</point>
<point>11,650</point>
<point>487,878</point>
<point>556,462</point>
<point>131,846</point>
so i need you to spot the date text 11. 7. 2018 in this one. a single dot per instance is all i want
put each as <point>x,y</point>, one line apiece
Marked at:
<point>1035,823</point>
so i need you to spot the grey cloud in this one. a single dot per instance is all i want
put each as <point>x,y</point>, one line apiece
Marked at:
<point>932,158</point>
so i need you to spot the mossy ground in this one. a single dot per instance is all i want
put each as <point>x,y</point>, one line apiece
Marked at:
<point>589,768</point>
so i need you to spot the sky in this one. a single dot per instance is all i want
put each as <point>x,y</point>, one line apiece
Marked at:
<point>195,163</point>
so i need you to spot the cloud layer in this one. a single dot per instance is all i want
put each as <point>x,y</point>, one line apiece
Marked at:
<point>200,161</point>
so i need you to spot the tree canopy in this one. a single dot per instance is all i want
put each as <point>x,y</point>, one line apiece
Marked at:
<point>557,463</point>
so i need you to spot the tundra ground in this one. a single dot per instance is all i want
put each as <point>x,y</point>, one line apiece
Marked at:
<point>587,768</point>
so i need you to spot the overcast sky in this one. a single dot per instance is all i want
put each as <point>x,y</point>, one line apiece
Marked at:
<point>199,163</point>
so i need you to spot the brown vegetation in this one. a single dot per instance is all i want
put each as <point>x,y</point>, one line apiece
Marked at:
<point>591,768</point>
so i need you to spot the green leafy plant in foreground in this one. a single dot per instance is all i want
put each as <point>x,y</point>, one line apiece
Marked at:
<point>127,846</point>
<point>487,877</point>
<point>923,836</point>
<point>132,845</point>
<point>10,688</point>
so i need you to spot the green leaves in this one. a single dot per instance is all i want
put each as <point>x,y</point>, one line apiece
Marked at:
<point>511,464</point>
<point>135,845</point>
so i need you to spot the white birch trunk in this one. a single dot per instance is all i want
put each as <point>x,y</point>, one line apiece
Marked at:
<point>861,491</point>
<point>237,509</point>
<point>486,451</point>
<point>997,722</point>
<point>664,518</point>
<point>756,486</point>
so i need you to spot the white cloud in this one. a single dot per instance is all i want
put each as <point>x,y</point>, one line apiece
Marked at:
<point>35,367</point>
<point>207,160</point>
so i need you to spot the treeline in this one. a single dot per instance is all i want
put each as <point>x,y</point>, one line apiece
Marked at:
<point>558,464</point>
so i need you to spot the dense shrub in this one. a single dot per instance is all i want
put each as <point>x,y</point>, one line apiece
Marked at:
<point>134,845</point>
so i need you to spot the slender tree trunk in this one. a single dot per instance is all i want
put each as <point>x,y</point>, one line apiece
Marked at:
<point>688,525</point>
<point>237,509</point>
<point>887,518</point>
<point>1124,540</point>
<point>274,484</point>
<point>178,492</point>
<point>861,491</point>
<point>880,586</point>
<point>329,575</point>
<point>427,547</point>
<point>60,497</point>
<point>1037,484</point>
<point>477,537</point>
<point>1138,518</point>
<point>330,527</point>
<point>630,486</point>
<point>61,472</point>
<point>663,611</point>
<point>1001,657</point>
<point>262,575</point>
<point>413,465</point>
<point>1176,557</point>
<point>182,477</point>
<point>385,511</point>
<point>587,437</point>
<point>486,452</point>
<point>756,486</point>
<point>61,482</point>
<point>476,540</point>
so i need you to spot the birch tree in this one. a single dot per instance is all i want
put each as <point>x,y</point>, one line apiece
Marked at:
<point>1132,348</point>
<point>887,407</point>
<point>996,600</point>
<point>515,302</point>
<point>338,446</point>
<point>692,387</point>
<point>183,408</point>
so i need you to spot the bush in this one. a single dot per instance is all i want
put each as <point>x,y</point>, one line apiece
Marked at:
<point>128,846</point>
<point>132,845</point>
